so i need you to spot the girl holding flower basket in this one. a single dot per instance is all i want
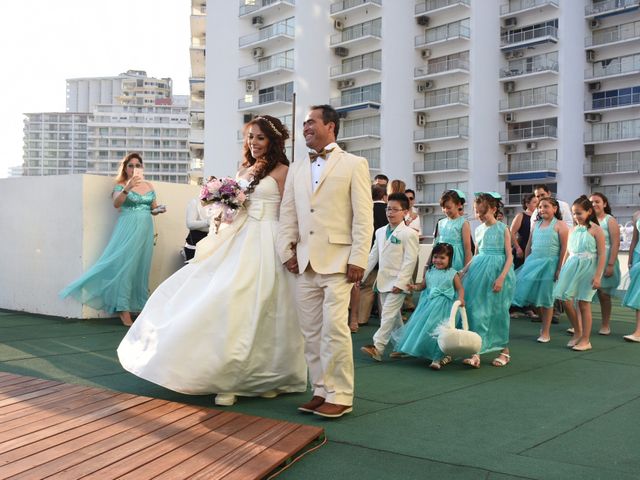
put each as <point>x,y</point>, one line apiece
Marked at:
<point>226,323</point>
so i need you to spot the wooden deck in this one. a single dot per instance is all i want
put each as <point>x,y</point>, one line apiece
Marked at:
<point>57,430</point>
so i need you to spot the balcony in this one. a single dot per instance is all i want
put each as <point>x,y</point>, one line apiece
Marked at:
<point>541,132</point>
<point>614,67</point>
<point>612,163</point>
<point>371,154</point>
<point>611,7</point>
<point>271,34</point>
<point>622,131</point>
<point>197,61</point>
<point>624,198</point>
<point>343,6</point>
<point>431,192</point>
<point>526,99</point>
<point>531,66</point>
<point>358,33</point>
<point>355,67</point>
<point>443,33</point>
<point>277,63</point>
<point>439,162</point>
<point>433,6</point>
<point>198,25</point>
<point>522,6</point>
<point>444,67</point>
<point>447,132</point>
<point>251,7</point>
<point>196,136</point>
<point>438,99</point>
<point>530,162</point>
<point>629,99</point>
<point>357,100</point>
<point>360,128</point>
<point>262,100</point>
<point>514,39</point>
<point>627,32</point>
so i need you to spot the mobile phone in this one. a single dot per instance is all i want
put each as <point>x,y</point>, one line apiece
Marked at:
<point>138,172</point>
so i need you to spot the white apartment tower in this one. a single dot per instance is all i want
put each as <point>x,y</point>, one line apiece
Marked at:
<point>471,94</point>
<point>196,86</point>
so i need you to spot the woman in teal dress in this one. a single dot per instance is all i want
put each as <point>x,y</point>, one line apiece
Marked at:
<point>419,337</point>
<point>489,281</point>
<point>632,297</point>
<point>454,229</point>
<point>119,280</point>
<point>543,254</point>
<point>611,275</point>
<point>581,272</point>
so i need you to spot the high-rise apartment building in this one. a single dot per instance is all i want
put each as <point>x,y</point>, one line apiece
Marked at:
<point>475,95</point>
<point>196,85</point>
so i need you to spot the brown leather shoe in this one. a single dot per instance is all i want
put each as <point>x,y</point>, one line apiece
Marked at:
<point>311,405</point>
<point>332,410</point>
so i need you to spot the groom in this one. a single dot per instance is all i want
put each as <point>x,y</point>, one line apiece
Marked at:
<point>325,236</point>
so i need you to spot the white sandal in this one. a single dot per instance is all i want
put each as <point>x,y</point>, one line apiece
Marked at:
<point>499,362</point>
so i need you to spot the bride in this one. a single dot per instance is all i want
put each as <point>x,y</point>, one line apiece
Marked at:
<point>226,323</point>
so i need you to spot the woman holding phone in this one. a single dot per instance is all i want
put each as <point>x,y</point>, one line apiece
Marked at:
<point>119,280</point>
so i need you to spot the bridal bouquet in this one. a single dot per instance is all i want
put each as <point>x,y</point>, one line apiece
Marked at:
<point>226,196</point>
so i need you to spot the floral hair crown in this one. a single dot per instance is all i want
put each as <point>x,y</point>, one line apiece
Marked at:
<point>273,127</point>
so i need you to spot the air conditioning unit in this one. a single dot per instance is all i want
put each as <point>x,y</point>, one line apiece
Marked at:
<point>421,119</point>
<point>421,147</point>
<point>247,117</point>
<point>342,145</point>
<point>595,86</point>
<point>591,55</point>
<point>595,23</point>
<point>257,21</point>
<point>423,20</point>
<point>419,179</point>
<point>510,148</point>
<point>426,53</point>
<point>532,145</point>
<point>509,87</point>
<point>594,181</point>
<point>429,84</point>
<point>427,210</point>
<point>346,83</point>
<point>250,86</point>
<point>341,51</point>
<point>258,52</point>
<point>509,117</point>
<point>338,24</point>
<point>592,117</point>
<point>589,150</point>
<point>510,22</point>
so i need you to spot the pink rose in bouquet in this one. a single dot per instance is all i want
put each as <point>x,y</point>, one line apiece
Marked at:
<point>225,194</point>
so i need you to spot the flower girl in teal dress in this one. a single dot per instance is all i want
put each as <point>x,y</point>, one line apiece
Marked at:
<point>611,275</point>
<point>632,297</point>
<point>581,272</point>
<point>544,252</point>
<point>489,281</point>
<point>455,229</point>
<point>419,338</point>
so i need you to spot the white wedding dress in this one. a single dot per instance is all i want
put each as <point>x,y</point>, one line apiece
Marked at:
<point>227,322</point>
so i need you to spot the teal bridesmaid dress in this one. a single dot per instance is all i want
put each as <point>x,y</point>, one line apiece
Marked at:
<point>119,280</point>
<point>632,296</point>
<point>450,231</point>
<point>576,277</point>
<point>609,284</point>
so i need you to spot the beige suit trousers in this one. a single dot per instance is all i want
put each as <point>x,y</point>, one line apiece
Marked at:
<point>323,302</point>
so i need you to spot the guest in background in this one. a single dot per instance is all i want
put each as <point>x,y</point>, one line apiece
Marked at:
<point>198,220</point>
<point>396,186</point>
<point>413,219</point>
<point>381,180</point>
<point>542,191</point>
<point>521,228</point>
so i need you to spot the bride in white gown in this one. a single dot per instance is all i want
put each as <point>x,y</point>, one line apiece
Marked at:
<point>226,323</point>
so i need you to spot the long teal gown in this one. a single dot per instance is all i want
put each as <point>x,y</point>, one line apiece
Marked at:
<point>488,311</point>
<point>450,231</point>
<point>535,278</point>
<point>419,337</point>
<point>609,284</point>
<point>576,277</point>
<point>632,296</point>
<point>119,280</point>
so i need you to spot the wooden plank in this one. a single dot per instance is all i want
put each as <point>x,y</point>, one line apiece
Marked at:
<point>11,383</point>
<point>114,463</point>
<point>26,396</point>
<point>58,392</point>
<point>17,385</point>
<point>263,463</point>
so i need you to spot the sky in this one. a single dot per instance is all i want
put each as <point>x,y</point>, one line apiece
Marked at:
<point>44,42</point>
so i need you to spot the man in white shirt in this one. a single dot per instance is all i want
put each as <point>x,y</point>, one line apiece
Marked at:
<point>542,191</point>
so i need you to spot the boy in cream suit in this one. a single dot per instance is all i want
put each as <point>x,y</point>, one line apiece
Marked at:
<point>395,251</point>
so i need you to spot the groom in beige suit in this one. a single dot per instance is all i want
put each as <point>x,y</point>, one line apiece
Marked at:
<point>325,236</point>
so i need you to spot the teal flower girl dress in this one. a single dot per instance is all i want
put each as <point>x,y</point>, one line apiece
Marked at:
<point>488,311</point>
<point>119,280</point>
<point>632,295</point>
<point>576,276</point>
<point>609,284</point>
<point>450,231</point>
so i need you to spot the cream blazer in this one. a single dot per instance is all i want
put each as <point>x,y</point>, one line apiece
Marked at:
<point>395,256</point>
<point>331,227</point>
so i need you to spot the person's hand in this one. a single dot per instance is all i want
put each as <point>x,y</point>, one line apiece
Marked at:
<point>461,300</point>
<point>396,290</point>
<point>411,287</point>
<point>608,271</point>
<point>133,182</point>
<point>292,264</point>
<point>354,273</point>
<point>596,282</point>
<point>519,252</point>
<point>497,285</point>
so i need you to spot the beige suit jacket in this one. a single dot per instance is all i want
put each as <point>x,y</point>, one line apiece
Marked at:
<point>396,259</point>
<point>331,227</point>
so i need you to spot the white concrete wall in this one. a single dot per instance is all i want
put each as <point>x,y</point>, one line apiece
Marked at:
<point>53,228</point>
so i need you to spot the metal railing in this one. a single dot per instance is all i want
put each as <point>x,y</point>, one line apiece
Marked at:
<point>347,4</point>
<point>529,133</point>
<point>529,98</point>
<point>520,36</point>
<point>620,100</point>
<point>445,65</point>
<point>613,131</point>
<point>614,66</point>
<point>265,65</point>
<point>546,160</point>
<point>435,133</point>
<point>435,163</point>
<point>440,98</point>
<point>250,6</point>
<point>264,98</point>
<point>354,98</point>
<point>539,63</point>
<point>361,127</point>
<point>356,64</point>
<point>603,7</point>
<point>619,33</point>
<point>514,6</point>
<point>371,154</point>
<point>430,5</point>
<point>623,199</point>
<point>276,30</point>
<point>371,28</point>
<point>442,33</point>
<point>431,192</point>
<point>620,162</point>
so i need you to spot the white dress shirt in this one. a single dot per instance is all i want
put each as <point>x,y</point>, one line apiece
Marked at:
<point>317,167</point>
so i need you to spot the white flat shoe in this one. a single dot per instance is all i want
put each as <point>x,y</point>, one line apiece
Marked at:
<point>632,338</point>
<point>225,399</point>
<point>269,394</point>
<point>543,340</point>
<point>604,331</point>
